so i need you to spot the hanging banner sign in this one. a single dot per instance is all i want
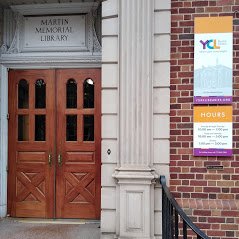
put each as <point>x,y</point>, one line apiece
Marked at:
<point>213,43</point>
<point>212,131</point>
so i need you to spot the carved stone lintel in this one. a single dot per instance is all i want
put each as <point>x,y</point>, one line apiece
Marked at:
<point>14,44</point>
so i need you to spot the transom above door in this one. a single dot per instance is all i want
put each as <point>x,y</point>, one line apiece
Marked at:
<point>54,143</point>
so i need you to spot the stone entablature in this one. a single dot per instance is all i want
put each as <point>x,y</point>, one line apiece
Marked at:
<point>24,37</point>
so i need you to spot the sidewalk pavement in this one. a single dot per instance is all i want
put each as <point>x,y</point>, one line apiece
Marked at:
<point>17,229</point>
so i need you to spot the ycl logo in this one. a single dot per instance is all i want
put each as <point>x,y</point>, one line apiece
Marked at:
<point>210,44</point>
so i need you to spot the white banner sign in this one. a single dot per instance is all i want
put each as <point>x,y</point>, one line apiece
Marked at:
<point>213,60</point>
<point>212,134</point>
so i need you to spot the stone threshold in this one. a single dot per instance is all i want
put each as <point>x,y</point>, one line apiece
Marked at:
<point>55,221</point>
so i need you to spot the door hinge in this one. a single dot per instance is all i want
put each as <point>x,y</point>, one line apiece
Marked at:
<point>8,116</point>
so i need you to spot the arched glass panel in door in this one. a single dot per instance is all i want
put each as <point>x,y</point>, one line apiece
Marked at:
<point>89,93</point>
<point>88,120</point>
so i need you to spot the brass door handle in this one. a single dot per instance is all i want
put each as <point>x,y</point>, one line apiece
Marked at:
<point>59,160</point>
<point>50,159</point>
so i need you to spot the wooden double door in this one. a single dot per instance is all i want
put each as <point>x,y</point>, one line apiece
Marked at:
<point>54,143</point>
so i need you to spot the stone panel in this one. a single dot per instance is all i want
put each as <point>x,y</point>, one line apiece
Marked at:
<point>109,101</point>
<point>162,48</point>
<point>109,75</point>
<point>158,223</point>
<point>109,126</point>
<point>107,171</point>
<point>158,199</point>
<point>161,151</point>
<point>162,22</point>
<point>162,74</point>
<point>108,221</point>
<point>109,8</point>
<point>162,5</point>
<point>161,126</point>
<point>109,49</point>
<point>161,100</point>
<point>110,26</point>
<point>108,198</point>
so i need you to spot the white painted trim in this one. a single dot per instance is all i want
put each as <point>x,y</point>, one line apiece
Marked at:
<point>3,141</point>
<point>55,8</point>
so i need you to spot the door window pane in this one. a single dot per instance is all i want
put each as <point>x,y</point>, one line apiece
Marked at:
<point>71,128</point>
<point>88,93</point>
<point>23,127</point>
<point>40,127</point>
<point>40,94</point>
<point>88,127</point>
<point>71,94</point>
<point>23,94</point>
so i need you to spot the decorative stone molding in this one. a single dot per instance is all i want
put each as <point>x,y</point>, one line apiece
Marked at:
<point>14,29</point>
<point>60,8</point>
<point>14,47</point>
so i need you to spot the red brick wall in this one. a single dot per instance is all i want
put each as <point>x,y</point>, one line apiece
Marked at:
<point>210,197</point>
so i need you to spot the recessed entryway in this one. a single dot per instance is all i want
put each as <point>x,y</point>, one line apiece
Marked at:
<point>54,143</point>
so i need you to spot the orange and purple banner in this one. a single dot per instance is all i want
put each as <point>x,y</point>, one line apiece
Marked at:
<point>213,44</point>
<point>212,131</point>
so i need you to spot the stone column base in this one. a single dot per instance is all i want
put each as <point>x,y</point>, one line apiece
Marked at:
<point>136,203</point>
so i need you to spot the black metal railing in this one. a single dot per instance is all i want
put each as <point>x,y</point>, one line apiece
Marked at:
<point>171,214</point>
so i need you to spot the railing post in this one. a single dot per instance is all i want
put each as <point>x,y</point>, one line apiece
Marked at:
<point>185,236</point>
<point>176,224</point>
<point>163,215</point>
<point>171,220</point>
<point>167,219</point>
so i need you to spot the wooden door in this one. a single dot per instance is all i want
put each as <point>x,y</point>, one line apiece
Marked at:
<point>54,143</point>
<point>78,144</point>
<point>31,143</point>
